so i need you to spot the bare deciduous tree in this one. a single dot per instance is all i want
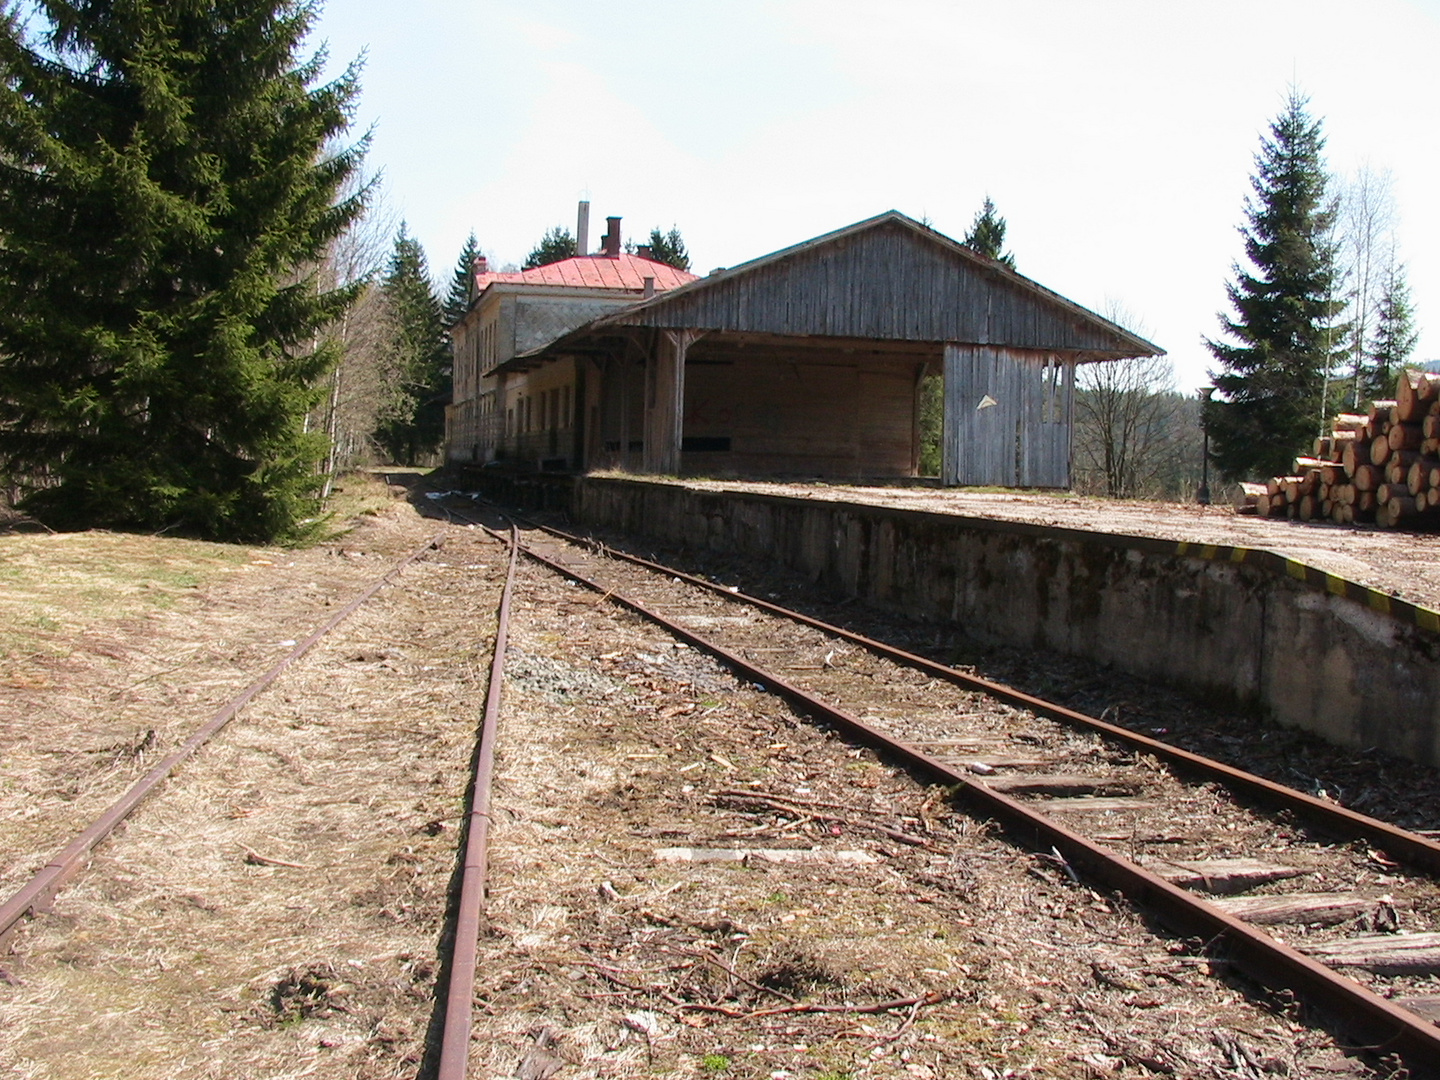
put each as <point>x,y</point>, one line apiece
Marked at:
<point>1367,247</point>
<point>362,385</point>
<point>1135,436</point>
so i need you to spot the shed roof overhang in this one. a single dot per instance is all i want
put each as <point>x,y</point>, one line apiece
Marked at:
<point>889,282</point>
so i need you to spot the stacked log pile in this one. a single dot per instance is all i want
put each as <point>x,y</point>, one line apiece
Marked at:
<point>1381,466</point>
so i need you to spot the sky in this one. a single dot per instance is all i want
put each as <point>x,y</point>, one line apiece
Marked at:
<point>1116,137</point>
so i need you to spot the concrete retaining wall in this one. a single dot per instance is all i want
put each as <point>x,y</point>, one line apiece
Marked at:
<point>1234,625</point>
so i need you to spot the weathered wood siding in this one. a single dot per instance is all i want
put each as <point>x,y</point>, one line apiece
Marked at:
<point>1008,417</point>
<point>782,416</point>
<point>1047,406</point>
<point>665,402</point>
<point>617,414</point>
<point>884,283</point>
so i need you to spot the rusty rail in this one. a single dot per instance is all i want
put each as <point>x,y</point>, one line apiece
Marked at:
<point>1381,1026</point>
<point>460,994</point>
<point>41,888</point>
<point>1401,844</point>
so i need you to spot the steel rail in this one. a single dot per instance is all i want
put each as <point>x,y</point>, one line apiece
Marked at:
<point>460,994</point>
<point>1381,1026</point>
<point>1401,844</point>
<point>41,888</point>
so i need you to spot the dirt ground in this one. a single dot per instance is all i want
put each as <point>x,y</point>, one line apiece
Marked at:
<point>280,907</point>
<point>1402,563</point>
<point>276,908</point>
<point>822,946</point>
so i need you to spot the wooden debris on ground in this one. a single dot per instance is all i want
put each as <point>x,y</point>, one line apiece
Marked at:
<point>769,855</point>
<point>1314,909</point>
<point>1223,875</point>
<point>1383,954</point>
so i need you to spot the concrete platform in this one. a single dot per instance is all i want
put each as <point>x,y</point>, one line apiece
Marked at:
<point>1406,565</point>
<point>1282,628</point>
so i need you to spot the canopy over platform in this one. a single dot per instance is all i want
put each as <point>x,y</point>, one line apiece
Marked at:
<point>808,361</point>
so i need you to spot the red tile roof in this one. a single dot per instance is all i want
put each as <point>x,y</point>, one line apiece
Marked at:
<point>595,272</point>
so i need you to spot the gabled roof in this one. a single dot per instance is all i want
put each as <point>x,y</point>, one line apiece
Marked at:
<point>625,272</point>
<point>886,278</point>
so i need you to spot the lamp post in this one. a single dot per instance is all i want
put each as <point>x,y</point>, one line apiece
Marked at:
<point>1202,494</point>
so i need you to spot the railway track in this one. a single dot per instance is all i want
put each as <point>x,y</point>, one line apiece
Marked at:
<point>274,899</point>
<point>1289,889</point>
<point>1297,893</point>
<point>43,886</point>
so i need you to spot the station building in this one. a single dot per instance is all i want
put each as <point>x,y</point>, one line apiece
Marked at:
<point>807,362</point>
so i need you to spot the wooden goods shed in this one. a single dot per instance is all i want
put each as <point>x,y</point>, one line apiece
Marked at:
<point>808,362</point>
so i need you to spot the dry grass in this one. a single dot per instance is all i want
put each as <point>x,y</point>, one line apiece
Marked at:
<point>60,592</point>
<point>367,493</point>
<point>63,590</point>
<point>276,909</point>
<point>139,640</point>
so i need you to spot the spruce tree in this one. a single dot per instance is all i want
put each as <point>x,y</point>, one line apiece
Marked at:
<point>419,356</point>
<point>169,181</point>
<point>1394,338</point>
<point>987,235</point>
<point>669,248</point>
<point>555,245</point>
<point>462,283</point>
<point>1273,372</point>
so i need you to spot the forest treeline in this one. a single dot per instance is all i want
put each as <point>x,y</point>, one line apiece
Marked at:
<point>206,311</point>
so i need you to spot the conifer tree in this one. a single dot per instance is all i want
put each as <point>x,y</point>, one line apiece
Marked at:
<point>555,245</point>
<point>1394,339</point>
<point>462,283</point>
<point>987,235</point>
<point>1273,372</point>
<point>168,184</point>
<point>419,356</point>
<point>669,248</point>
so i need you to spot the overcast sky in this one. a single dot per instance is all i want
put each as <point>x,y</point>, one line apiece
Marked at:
<point>1117,137</point>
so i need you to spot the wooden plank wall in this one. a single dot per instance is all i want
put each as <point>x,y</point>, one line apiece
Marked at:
<point>810,416</point>
<point>1008,417</point>
<point>615,415</point>
<point>664,401</point>
<point>1046,423</point>
<point>885,283</point>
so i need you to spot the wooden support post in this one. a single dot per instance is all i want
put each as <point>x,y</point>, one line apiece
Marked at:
<point>665,401</point>
<point>622,368</point>
<point>580,455</point>
<point>949,420</point>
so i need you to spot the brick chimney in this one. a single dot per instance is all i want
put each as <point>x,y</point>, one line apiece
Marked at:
<point>482,265</point>
<point>610,244</point>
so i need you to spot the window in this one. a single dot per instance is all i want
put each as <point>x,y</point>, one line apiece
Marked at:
<point>487,345</point>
